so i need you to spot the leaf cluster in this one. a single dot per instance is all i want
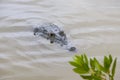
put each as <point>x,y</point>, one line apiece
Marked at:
<point>92,69</point>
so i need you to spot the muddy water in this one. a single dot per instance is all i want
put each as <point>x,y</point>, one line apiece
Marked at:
<point>92,25</point>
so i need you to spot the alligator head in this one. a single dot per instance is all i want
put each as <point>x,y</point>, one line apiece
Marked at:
<point>53,33</point>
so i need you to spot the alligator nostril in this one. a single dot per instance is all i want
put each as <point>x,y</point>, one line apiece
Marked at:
<point>72,49</point>
<point>34,33</point>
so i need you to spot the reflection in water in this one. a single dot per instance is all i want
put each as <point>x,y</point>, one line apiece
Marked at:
<point>92,25</point>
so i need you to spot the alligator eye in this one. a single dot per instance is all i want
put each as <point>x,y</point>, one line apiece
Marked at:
<point>52,35</point>
<point>62,33</point>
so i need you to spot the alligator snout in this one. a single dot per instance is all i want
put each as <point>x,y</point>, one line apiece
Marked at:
<point>72,49</point>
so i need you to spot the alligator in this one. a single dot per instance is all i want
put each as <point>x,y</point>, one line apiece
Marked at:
<point>53,33</point>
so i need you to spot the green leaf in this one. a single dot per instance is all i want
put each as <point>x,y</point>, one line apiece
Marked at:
<point>82,61</point>
<point>86,59</point>
<point>86,67</point>
<point>79,59</point>
<point>114,67</point>
<point>98,65</point>
<point>86,77</point>
<point>97,78</point>
<point>106,64</point>
<point>92,64</point>
<point>75,59</point>
<point>80,70</point>
<point>74,64</point>
<point>110,58</point>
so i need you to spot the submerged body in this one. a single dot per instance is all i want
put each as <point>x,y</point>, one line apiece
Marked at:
<point>53,33</point>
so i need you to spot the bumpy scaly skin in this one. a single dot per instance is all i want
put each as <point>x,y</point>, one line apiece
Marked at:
<point>53,33</point>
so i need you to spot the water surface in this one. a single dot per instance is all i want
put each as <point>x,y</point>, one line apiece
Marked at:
<point>92,25</point>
